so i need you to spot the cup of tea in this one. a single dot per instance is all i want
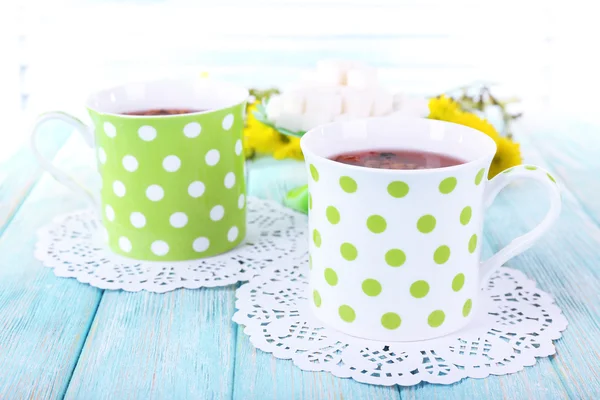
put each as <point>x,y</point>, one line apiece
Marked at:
<point>170,156</point>
<point>396,210</point>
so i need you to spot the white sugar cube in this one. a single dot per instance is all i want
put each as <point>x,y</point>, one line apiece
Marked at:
<point>323,101</point>
<point>293,102</point>
<point>383,103</point>
<point>357,103</point>
<point>290,121</point>
<point>274,107</point>
<point>415,106</point>
<point>362,77</point>
<point>331,72</point>
<point>312,120</point>
<point>342,118</point>
<point>398,100</point>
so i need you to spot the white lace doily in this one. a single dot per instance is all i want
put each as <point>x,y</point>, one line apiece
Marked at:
<point>73,246</point>
<point>516,324</point>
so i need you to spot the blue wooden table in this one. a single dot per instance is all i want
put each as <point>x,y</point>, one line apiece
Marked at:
<point>63,339</point>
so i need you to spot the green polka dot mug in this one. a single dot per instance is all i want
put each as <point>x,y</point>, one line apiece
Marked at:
<point>173,186</point>
<point>395,254</point>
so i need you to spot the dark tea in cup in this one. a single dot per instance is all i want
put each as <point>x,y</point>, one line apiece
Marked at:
<point>163,111</point>
<point>397,159</point>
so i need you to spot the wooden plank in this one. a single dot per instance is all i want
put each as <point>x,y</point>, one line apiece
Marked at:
<point>177,345</point>
<point>575,160</point>
<point>259,376</point>
<point>44,319</point>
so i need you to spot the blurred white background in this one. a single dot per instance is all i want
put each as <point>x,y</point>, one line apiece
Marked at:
<point>53,53</point>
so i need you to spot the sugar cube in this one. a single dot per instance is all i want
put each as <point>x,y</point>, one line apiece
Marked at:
<point>357,103</point>
<point>398,100</point>
<point>290,121</point>
<point>293,102</point>
<point>331,72</point>
<point>383,103</point>
<point>312,120</point>
<point>274,107</point>
<point>362,77</point>
<point>415,106</point>
<point>342,118</point>
<point>326,101</point>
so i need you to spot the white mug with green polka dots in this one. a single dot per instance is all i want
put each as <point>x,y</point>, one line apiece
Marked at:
<point>395,254</point>
<point>173,186</point>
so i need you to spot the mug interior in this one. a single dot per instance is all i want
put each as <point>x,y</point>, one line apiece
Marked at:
<point>398,133</point>
<point>204,95</point>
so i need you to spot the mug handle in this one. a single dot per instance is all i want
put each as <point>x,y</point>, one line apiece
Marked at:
<point>524,242</point>
<point>60,176</point>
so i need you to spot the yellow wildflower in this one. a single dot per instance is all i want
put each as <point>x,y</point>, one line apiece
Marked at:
<point>259,138</point>
<point>474,121</point>
<point>442,108</point>
<point>508,153</point>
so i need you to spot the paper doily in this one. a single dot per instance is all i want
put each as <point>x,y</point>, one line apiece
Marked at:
<point>516,323</point>
<point>72,245</point>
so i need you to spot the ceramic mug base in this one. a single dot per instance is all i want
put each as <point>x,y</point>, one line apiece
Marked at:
<point>191,255</point>
<point>404,333</point>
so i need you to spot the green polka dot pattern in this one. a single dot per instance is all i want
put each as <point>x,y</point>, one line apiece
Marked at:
<point>441,254</point>
<point>314,173</point>
<point>467,308</point>
<point>395,257</point>
<point>472,243</point>
<point>348,184</point>
<point>447,185</point>
<point>406,279</point>
<point>479,176</point>
<point>419,289</point>
<point>331,276</point>
<point>371,287</point>
<point>436,318</point>
<point>316,298</point>
<point>347,313</point>
<point>465,215</point>
<point>458,282</point>
<point>172,187</point>
<point>426,223</point>
<point>317,238</point>
<point>398,189</point>
<point>376,223</point>
<point>531,167</point>
<point>551,177</point>
<point>348,251</point>
<point>333,215</point>
<point>391,320</point>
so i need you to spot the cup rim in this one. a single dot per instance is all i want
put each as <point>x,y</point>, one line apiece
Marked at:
<point>243,94</point>
<point>490,151</point>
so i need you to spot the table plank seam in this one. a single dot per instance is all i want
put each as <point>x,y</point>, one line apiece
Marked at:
<point>83,343</point>
<point>235,343</point>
